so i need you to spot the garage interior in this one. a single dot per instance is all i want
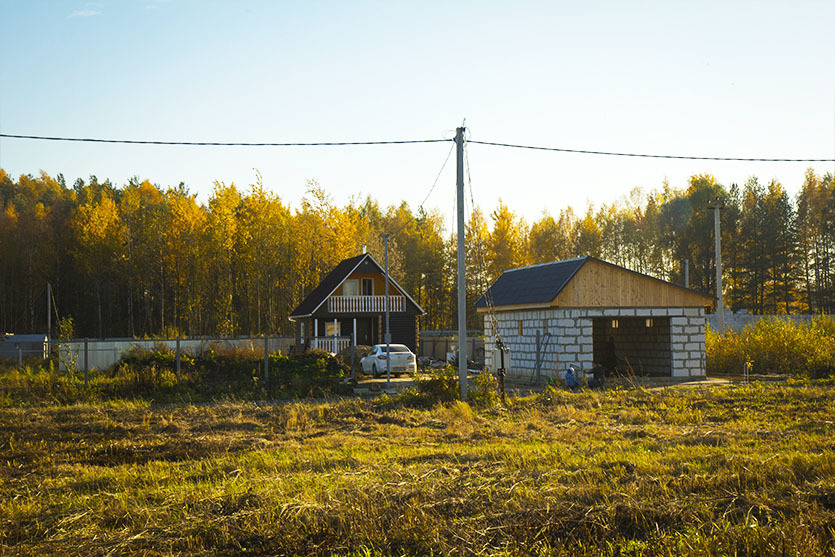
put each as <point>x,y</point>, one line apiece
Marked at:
<point>642,344</point>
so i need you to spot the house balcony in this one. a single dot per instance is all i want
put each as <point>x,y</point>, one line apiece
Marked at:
<point>365,304</point>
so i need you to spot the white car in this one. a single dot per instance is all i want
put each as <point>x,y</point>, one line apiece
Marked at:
<point>402,360</point>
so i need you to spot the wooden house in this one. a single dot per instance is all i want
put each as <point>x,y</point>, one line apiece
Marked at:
<point>574,312</point>
<point>349,306</point>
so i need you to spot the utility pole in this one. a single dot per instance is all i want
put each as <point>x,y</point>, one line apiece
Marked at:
<point>686,273</point>
<point>388,333</point>
<point>462,296</point>
<point>716,205</point>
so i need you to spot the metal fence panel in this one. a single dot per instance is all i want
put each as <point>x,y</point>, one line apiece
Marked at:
<point>103,353</point>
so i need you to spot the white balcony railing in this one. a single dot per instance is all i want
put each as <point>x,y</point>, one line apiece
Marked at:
<point>334,345</point>
<point>365,304</point>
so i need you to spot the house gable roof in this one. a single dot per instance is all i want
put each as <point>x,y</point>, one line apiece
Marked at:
<point>586,282</point>
<point>335,278</point>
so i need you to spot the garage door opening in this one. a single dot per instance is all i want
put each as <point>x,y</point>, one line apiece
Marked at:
<point>642,344</point>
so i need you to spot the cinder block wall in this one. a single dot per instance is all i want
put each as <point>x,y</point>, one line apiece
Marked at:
<point>570,340</point>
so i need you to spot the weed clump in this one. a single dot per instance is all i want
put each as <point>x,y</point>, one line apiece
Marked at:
<point>443,387</point>
<point>774,346</point>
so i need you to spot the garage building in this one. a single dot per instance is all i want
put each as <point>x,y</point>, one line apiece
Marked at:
<point>553,315</point>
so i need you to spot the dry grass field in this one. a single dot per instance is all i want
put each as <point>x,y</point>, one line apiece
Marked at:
<point>731,470</point>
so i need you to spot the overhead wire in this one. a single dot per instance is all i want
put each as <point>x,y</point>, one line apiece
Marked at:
<point>406,142</point>
<point>488,294</point>
<point>431,189</point>
<point>644,155</point>
<point>223,143</point>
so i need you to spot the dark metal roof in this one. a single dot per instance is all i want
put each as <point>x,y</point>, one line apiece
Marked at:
<point>336,277</point>
<point>36,338</point>
<point>531,285</point>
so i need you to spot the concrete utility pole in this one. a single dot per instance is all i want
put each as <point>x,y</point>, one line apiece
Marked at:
<point>462,296</point>
<point>720,305</point>
<point>388,333</point>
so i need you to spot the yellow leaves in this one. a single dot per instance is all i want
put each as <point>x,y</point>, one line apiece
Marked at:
<point>10,213</point>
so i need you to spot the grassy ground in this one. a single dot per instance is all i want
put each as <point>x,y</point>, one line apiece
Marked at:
<point>745,470</point>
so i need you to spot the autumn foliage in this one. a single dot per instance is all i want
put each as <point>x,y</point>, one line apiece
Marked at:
<point>148,260</point>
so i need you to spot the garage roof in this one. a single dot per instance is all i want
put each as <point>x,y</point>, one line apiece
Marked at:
<point>585,282</point>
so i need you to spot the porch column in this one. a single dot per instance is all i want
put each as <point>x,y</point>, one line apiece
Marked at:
<point>335,347</point>
<point>315,332</point>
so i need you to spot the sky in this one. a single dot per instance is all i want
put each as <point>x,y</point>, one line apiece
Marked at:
<point>728,78</point>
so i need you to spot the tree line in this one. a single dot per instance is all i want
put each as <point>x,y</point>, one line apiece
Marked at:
<point>145,260</point>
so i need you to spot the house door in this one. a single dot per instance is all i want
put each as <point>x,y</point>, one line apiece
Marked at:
<point>365,331</point>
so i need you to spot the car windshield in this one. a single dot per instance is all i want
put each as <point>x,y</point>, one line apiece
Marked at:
<point>395,348</point>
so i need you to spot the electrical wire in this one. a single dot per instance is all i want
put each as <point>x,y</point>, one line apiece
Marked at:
<point>223,144</point>
<point>488,293</point>
<point>642,155</point>
<point>405,142</point>
<point>425,199</point>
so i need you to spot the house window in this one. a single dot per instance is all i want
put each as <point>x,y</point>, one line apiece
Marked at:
<point>350,288</point>
<point>614,323</point>
<point>329,329</point>
<point>301,331</point>
<point>367,287</point>
<point>649,322</point>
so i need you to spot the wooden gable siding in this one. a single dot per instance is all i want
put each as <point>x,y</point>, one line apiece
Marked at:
<point>379,284</point>
<point>598,284</point>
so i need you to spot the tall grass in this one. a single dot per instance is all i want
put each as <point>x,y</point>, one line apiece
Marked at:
<point>774,346</point>
<point>737,470</point>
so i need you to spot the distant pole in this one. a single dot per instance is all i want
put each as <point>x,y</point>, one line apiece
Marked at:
<point>266,358</point>
<point>388,333</point>
<point>48,316</point>
<point>353,351</point>
<point>720,305</point>
<point>86,359</point>
<point>462,295</point>
<point>686,273</point>
<point>178,363</point>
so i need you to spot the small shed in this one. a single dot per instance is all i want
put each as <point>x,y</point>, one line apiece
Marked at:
<point>349,304</point>
<point>577,311</point>
<point>26,346</point>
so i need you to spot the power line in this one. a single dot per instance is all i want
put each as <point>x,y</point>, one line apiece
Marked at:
<point>222,144</point>
<point>613,154</point>
<point>425,199</point>
<point>405,142</point>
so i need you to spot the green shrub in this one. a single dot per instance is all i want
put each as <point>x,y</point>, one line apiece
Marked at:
<point>483,390</point>
<point>774,346</point>
<point>152,375</point>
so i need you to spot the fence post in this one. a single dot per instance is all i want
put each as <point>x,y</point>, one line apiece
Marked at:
<point>86,360</point>
<point>178,355</point>
<point>266,358</point>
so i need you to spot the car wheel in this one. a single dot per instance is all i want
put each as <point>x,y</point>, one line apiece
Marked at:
<point>397,375</point>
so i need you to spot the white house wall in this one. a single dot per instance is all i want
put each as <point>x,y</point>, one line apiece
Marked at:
<point>571,339</point>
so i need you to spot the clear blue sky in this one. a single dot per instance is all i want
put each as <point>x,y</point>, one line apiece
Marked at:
<point>725,78</point>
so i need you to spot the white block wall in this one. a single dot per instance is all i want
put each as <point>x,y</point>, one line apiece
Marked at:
<point>571,342</point>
